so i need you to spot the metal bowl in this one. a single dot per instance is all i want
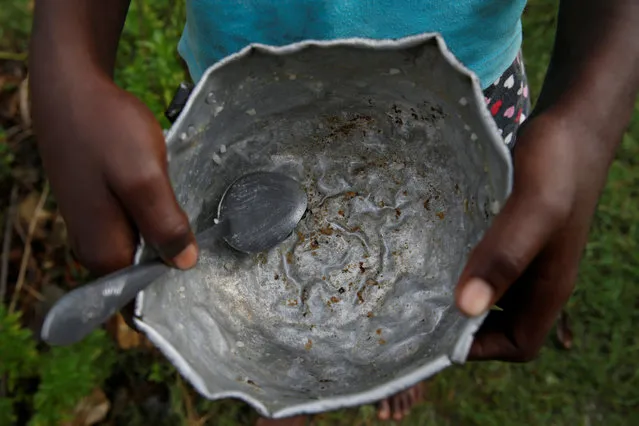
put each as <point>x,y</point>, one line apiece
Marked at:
<point>404,169</point>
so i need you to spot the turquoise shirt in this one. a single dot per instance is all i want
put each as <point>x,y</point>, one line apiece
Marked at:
<point>485,35</point>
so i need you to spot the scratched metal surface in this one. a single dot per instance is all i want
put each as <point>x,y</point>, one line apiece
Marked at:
<point>403,169</point>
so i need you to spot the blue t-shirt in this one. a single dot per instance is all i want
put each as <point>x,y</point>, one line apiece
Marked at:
<point>485,35</point>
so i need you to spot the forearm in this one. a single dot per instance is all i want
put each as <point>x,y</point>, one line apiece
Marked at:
<point>593,77</point>
<point>76,35</point>
<point>73,50</point>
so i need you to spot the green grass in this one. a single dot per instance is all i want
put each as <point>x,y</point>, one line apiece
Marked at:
<point>597,382</point>
<point>148,63</point>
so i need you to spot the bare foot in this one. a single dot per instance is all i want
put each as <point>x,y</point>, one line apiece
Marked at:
<point>399,405</point>
<point>291,421</point>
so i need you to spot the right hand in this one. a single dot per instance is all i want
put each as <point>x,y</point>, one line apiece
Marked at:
<point>104,153</point>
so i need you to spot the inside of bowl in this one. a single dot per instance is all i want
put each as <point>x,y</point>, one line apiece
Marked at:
<point>397,167</point>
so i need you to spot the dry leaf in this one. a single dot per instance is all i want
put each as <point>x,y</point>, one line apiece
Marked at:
<point>74,272</point>
<point>564,331</point>
<point>90,410</point>
<point>25,103</point>
<point>11,105</point>
<point>26,210</point>
<point>58,235</point>
<point>28,176</point>
<point>125,337</point>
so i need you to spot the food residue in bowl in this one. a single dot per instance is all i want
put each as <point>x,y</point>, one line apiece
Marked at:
<point>328,230</point>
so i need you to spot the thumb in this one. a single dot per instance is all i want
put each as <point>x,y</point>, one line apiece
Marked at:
<point>149,199</point>
<point>514,239</point>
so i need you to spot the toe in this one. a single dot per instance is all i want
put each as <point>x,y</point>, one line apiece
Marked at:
<point>408,403</point>
<point>420,391</point>
<point>415,394</point>
<point>398,411</point>
<point>384,413</point>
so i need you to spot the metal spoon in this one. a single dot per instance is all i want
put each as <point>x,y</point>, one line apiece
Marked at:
<point>258,211</point>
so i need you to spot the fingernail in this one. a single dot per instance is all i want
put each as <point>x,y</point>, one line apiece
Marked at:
<point>187,257</point>
<point>476,297</point>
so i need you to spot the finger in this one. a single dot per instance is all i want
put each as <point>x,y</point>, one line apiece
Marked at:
<point>384,413</point>
<point>515,237</point>
<point>495,339</point>
<point>517,334</point>
<point>148,196</point>
<point>101,234</point>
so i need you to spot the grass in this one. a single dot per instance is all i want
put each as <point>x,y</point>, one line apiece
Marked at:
<point>596,382</point>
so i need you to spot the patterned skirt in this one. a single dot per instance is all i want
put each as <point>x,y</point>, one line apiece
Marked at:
<point>508,100</point>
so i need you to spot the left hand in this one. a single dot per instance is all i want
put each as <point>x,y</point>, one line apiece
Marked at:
<point>528,260</point>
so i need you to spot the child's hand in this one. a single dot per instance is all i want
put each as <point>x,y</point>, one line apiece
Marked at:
<point>527,262</point>
<point>105,156</point>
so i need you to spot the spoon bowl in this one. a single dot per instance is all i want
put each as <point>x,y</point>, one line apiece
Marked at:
<point>261,210</point>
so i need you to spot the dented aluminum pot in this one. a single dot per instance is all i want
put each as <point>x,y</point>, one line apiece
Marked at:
<point>404,169</point>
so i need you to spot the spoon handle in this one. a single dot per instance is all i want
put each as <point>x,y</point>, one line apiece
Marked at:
<point>85,308</point>
<point>80,311</point>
